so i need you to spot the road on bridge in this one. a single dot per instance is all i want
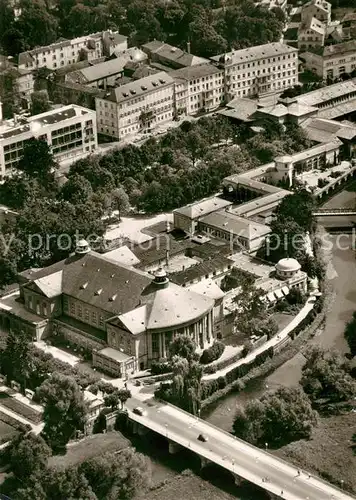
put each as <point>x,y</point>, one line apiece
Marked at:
<point>233,454</point>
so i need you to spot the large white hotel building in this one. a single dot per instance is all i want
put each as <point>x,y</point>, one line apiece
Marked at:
<point>258,70</point>
<point>70,131</point>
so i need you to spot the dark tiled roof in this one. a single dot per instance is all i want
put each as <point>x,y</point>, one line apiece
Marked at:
<point>200,270</point>
<point>98,281</point>
<point>158,248</point>
<point>103,283</point>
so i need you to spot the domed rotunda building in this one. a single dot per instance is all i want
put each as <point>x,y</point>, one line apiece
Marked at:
<point>124,316</point>
<point>166,310</point>
<point>289,269</point>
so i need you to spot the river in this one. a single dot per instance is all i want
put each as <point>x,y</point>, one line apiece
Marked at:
<point>342,274</point>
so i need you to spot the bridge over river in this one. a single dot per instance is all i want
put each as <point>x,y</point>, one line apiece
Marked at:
<point>244,461</point>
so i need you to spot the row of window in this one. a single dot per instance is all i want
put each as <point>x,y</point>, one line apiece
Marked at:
<point>206,78</point>
<point>253,64</point>
<point>65,130</point>
<point>76,310</point>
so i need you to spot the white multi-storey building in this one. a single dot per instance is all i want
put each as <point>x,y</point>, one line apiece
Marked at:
<point>332,61</point>
<point>70,131</point>
<point>198,88</point>
<point>136,107</point>
<point>311,34</point>
<point>65,52</point>
<point>258,70</point>
<point>320,9</point>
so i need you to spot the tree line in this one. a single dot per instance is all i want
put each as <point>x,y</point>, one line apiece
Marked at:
<point>107,476</point>
<point>211,26</point>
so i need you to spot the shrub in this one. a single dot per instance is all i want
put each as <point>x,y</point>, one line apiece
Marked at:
<point>210,369</point>
<point>248,346</point>
<point>212,353</point>
<point>158,368</point>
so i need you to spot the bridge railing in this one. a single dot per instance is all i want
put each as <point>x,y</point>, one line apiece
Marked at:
<point>245,443</point>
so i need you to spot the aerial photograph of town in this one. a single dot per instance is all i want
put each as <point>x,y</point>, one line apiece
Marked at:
<point>177,249</point>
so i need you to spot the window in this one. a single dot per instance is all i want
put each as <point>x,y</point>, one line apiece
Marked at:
<point>155,343</point>
<point>94,318</point>
<point>101,320</point>
<point>79,311</point>
<point>65,303</point>
<point>86,315</point>
<point>72,308</point>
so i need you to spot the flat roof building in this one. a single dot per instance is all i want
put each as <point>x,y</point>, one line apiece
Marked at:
<point>70,131</point>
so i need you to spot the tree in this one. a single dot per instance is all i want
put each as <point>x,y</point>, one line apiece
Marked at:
<point>326,375</point>
<point>36,24</point>
<point>65,410</point>
<point>68,483</point>
<point>182,346</point>
<point>15,359</point>
<point>250,305</point>
<point>350,334</point>
<point>37,160</point>
<point>39,102</point>
<point>76,190</point>
<point>28,454</point>
<point>113,476</point>
<point>299,207</point>
<point>124,395</point>
<point>120,201</point>
<point>18,189</point>
<point>9,92</point>
<point>278,418</point>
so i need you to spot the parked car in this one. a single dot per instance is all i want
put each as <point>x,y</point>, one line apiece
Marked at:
<point>202,438</point>
<point>139,411</point>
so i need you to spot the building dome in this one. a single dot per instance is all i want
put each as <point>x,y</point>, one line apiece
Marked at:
<point>288,265</point>
<point>82,247</point>
<point>161,278</point>
<point>168,306</point>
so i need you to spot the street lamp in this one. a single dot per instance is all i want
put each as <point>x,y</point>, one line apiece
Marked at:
<point>266,446</point>
<point>342,484</point>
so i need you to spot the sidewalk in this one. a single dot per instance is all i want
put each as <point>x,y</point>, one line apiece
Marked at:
<point>309,305</point>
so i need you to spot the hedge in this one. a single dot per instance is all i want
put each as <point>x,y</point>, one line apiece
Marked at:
<point>211,386</point>
<point>158,368</point>
<point>212,353</point>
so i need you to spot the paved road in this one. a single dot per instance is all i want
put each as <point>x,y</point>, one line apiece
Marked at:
<point>233,454</point>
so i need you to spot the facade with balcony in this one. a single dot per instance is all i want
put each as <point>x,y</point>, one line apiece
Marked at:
<point>198,88</point>
<point>137,107</point>
<point>70,132</point>
<point>258,70</point>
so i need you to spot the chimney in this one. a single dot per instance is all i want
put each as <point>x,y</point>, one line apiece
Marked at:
<point>188,47</point>
<point>0,111</point>
<point>15,119</point>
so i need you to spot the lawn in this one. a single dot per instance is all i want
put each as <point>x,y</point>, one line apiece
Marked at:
<point>330,453</point>
<point>7,432</point>
<point>90,447</point>
<point>20,408</point>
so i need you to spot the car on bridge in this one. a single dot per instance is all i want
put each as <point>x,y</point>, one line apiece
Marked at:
<point>139,411</point>
<point>203,438</point>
